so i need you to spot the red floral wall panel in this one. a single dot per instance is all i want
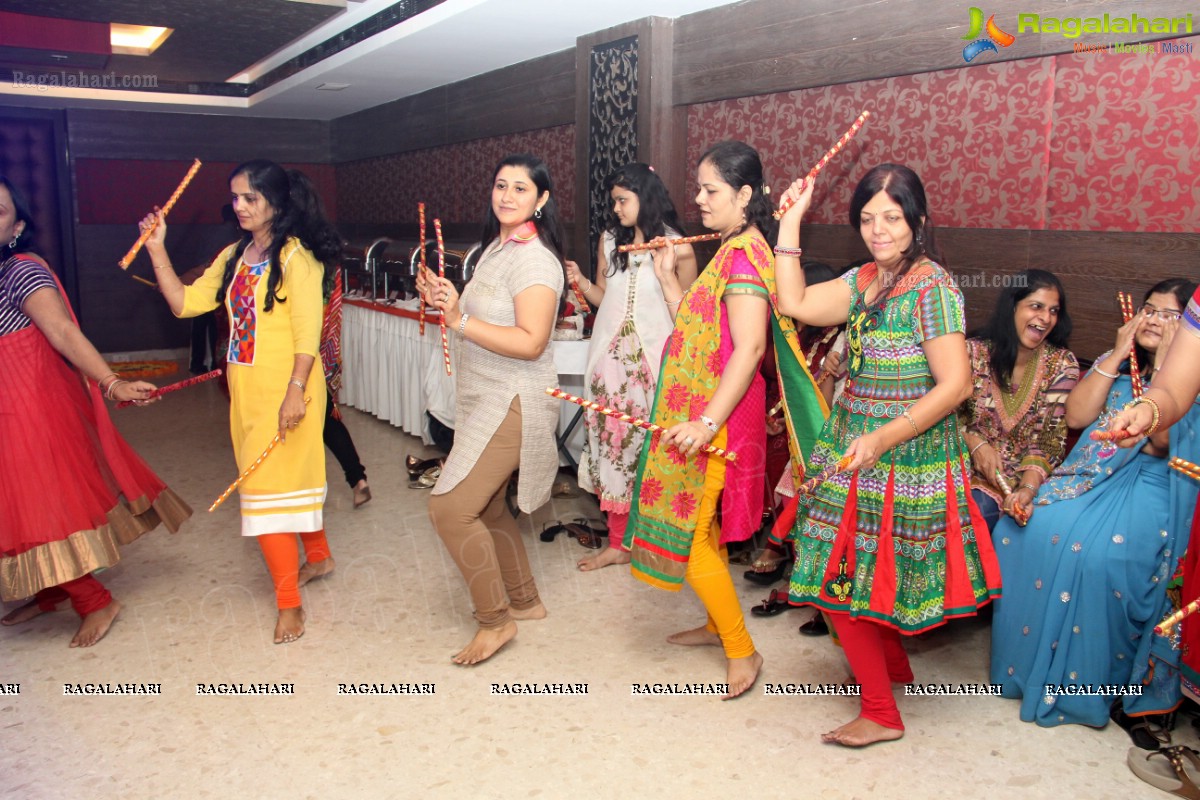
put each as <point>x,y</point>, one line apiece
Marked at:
<point>453,181</point>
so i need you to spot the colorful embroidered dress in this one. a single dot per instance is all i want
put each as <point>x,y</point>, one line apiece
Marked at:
<point>900,543</point>
<point>1190,628</point>
<point>286,494</point>
<point>1086,581</point>
<point>1026,426</point>
<point>667,494</point>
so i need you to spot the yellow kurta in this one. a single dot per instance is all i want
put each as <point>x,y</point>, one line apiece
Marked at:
<point>286,492</point>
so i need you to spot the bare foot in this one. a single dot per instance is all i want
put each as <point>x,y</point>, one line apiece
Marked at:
<point>95,625</point>
<point>742,673</point>
<point>533,612</point>
<point>311,570</point>
<point>362,493</point>
<point>610,556</point>
<point>696,637</point>
<point>485,644</point>
<point>24,613</point>
<point>290,626</point>
<point>860,733</point>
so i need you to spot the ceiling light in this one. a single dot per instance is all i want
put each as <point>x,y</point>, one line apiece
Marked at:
<point>332,87</point>
<point>137,40</point>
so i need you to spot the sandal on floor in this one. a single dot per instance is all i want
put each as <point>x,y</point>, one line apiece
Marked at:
<point>771,575</point>
<point>550,530</point>
<point>1172,769</point>
<point>1148,732</point>
<point>587,532</point>
<point>777,603</point>
<point>428,478</point>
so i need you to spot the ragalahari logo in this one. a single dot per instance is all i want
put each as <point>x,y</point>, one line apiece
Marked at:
<point>995,36</point>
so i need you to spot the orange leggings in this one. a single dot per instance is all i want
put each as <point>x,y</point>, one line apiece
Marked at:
<point>282,554</point>
<point>708,571</point>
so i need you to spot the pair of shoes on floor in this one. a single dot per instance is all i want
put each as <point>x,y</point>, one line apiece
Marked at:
<point>1148,732</point>
<point>765,577</point>
<point>815,626</point>
<point>776,603</point>
<point>585,531</point>
<point>362,493</point>
<point>1172,769</point>
<point>423,473</point>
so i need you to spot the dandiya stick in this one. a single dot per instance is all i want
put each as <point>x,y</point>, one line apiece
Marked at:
<point>1164,628</point>
<point>175,387</point>
<point>437,229</point>
<point>833,151</point>
<point>1186,467</point>
<point>246,472</point>
<point>583,303</point>
<point>641,423</point>
<point>1135,374</point>
<point>141,240</point>
<point>1109,436</point>
<point>421,314</point>
<point>140,279</point>
<point>1019,513</point>
<point>778,407</point>
<point>662,241</point>
<point>810,485</point>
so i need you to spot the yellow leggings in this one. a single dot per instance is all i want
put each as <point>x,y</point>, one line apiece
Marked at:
<point>708,571</point>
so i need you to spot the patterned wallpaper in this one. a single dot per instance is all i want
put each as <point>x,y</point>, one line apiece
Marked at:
<point>612,127</point>
<point>452,180</point>
<point>997,145</point>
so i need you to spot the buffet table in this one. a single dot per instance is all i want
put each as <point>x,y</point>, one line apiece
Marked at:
<point>391,371</point>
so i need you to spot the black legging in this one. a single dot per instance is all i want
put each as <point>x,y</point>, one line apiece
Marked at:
<point>338,440</point>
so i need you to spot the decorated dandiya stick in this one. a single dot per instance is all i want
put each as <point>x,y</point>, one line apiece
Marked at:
<point>421,313</point>
<point>1164,628</point>
<point>583,303</point>
<point>248,470</point>
<point>140,279</point>
<point>1020,514</point>
<point>1135,374</point>
<point>175,387</point>
<point>820,165</point>
<point>1109,436</point>
<point>141,240</point>
<point>663,241</point>
<point>441,245</point>
<point>1185,466</point>
<point>810,485</point>
<point>636,421</point>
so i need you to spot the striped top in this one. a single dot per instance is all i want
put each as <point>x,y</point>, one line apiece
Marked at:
<point>1191,315</point>
<point>19,278</point>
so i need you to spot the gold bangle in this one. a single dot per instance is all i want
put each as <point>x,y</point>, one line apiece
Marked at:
<point>1155,410</point>
<point>911,421</point>
<point>299,384</point>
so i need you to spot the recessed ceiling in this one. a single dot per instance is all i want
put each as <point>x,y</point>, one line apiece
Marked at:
<point>267,57</point>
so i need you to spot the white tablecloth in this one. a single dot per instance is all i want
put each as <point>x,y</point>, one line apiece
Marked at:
<point>391,371</point>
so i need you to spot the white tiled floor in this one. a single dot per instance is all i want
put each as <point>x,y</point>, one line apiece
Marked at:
<point>198,609</point>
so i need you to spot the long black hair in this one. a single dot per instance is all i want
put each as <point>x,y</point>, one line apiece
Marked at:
<point>905,189</point>
<point>298,213</point>
<point>548,224</point>
<point>22,212</point>
<point>738,165</point>
<point>1181,289</point>
<point>656,212</point>
<point>1001,329</point>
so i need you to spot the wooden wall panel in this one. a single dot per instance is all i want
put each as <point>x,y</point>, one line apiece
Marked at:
<point>767,46</point>
<point>539,93</point>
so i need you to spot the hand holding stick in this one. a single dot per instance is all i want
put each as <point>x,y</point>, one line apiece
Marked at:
<point>141,240</point>
<point>1109,436</point>
<point>810,485</point>
<point>248,470</point>
<point>1019,512</point>
<point>833,151</point>
<point>174,387</point>
<point>641,423</point>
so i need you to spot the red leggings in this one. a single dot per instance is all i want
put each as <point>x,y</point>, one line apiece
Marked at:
<point>282,554</point>
<point>86,595</point>
<point>878,660</point>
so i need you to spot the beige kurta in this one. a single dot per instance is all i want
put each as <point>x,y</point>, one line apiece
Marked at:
<point>487,382</point>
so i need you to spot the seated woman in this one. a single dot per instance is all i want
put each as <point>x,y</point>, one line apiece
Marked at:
<point>1086,581</point>
<point>1022,372</point>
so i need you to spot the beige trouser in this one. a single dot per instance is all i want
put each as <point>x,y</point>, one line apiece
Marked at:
<point>479,533</point>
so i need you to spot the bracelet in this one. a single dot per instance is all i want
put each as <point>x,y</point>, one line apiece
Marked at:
<point>709,423</point>
<point>462,325</point>
<point>1112,376</point>
<point>976,447</point>
<point>911,421</point>
<point>1153,408</point>
<point>1029,486</point>
<point>795,252</point>
<point>157,267</point>
<point>673,303</point>
<point>112,375</point>
<point>299,384</point>
<point>112,387</point>
<point>589,286</point>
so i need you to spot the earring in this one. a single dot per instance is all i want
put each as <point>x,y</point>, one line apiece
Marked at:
<point>537,214</point>
<point>920,239</point>
<point>13,244</point>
